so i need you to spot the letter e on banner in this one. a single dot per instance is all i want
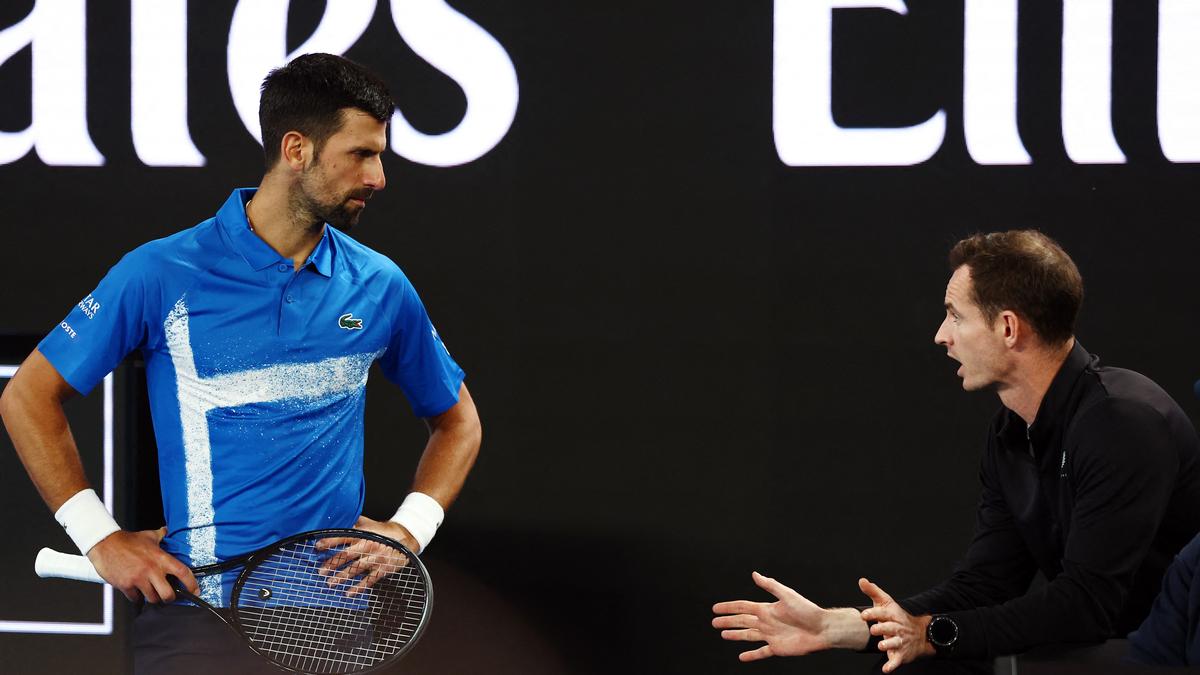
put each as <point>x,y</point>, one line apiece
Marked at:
<point>805,132</point>
<point>470,56</point>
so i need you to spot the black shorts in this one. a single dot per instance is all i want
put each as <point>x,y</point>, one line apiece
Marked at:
<point>185,640</point>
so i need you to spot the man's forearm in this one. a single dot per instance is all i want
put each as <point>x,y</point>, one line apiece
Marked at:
<point>450,452</point>
<point>37,425</point>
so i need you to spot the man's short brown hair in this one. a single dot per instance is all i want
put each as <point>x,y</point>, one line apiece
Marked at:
<point>1026,272</point>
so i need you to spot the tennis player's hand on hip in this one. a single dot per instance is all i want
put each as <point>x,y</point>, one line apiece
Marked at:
<point>134,564</point>
<point>358,564</point>
<point>389,529</point>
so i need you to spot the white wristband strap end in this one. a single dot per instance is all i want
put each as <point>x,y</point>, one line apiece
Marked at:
<point>86,520</point>
<point>421,515</point>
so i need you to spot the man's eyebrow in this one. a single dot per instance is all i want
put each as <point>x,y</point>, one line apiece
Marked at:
<point>950,306</point>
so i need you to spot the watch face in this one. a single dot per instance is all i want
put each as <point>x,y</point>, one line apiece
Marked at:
<point>943,632</point>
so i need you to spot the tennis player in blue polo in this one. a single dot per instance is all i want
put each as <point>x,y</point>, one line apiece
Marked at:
<point>258,328</point>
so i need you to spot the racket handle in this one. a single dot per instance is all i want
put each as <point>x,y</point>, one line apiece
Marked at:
<point>51,563</point>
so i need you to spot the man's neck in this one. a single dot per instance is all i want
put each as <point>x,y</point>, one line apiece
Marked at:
<point>1031,379</point>
<point>275,220</point>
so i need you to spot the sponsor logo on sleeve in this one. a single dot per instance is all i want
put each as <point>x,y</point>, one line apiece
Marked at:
<point>70,331</point>
<point>90,306</point>
<point>438,338</point>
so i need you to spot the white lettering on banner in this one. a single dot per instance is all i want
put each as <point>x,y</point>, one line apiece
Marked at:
<point>55,31</point>
<point>258,44</point>
<point>990,82</point>
<point>470,56</point>
<point>1087,83</point>
<point>1178,73</point>
<point>805,133</point>
<point>158,84</point>
<point>446,39</point>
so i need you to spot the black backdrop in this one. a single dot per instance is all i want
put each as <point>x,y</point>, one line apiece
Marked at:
<point>691,360</point>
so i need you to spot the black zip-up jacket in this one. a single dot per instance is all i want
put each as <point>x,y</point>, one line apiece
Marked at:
<point>1099,493</point>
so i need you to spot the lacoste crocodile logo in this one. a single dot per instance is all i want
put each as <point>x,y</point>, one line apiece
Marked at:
<point>348,322</point>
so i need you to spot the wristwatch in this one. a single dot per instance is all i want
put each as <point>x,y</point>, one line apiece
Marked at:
<point>942,633</point>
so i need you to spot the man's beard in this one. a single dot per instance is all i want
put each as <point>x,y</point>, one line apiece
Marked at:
<point>337,212</point>
<point>340,216</point>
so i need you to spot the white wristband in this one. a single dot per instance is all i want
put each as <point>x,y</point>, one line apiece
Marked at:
<point>421,515</point>
<point>86,520</point>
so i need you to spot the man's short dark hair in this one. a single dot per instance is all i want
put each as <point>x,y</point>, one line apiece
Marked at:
<point>308,94</point>
<point>1026,272</point>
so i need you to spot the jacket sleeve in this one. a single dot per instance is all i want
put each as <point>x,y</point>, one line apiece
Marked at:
<point>1123,470</point>
<point>997,566</point>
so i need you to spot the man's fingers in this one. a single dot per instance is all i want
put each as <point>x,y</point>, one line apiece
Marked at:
<point>887,628</point>
<point>891,612</point>
<point>333,542</point>
<point>184,574</point>
<point>336,561</point>
<point>744,634</point>
<point>367,582</point>
<point>162,586</point>
<point>736,607</point>
<point>875,593</point>
<point>894,661</point>
<point>756,654</point>
<point>736,621</point>
<point>149,592</point>
<point>770,585</point>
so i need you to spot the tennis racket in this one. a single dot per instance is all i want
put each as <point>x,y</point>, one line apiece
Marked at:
<point>326,601</point>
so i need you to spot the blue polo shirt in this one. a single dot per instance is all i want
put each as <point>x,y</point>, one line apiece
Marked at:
<point>256,375</point>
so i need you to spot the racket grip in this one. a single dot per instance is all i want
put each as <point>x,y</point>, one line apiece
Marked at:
<point>51,563</point>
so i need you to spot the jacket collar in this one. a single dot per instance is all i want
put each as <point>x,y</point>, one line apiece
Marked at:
<point>1054,410</point>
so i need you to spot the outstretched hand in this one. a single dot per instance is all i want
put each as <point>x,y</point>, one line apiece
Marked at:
<point>791,626</point>
<point>904,634</point>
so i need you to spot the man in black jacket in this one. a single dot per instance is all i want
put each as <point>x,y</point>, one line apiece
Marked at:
<point>1091,475</point>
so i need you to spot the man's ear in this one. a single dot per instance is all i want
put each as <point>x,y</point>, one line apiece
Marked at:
<point>295,149</point>
<point>1011,328</point>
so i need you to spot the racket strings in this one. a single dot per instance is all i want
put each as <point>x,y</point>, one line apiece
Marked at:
<point>290,612</point>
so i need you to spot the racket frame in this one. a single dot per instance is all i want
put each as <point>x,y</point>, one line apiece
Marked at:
<point>248,562</point>
<point>75,570</point>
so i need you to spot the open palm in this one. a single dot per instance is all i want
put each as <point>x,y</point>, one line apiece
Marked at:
<point>791,626</point>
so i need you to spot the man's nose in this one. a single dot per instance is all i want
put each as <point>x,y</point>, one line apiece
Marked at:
<point>942,336</point>
<point>375,178</point>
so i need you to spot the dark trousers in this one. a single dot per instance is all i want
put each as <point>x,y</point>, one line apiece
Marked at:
<point>183,640</point>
